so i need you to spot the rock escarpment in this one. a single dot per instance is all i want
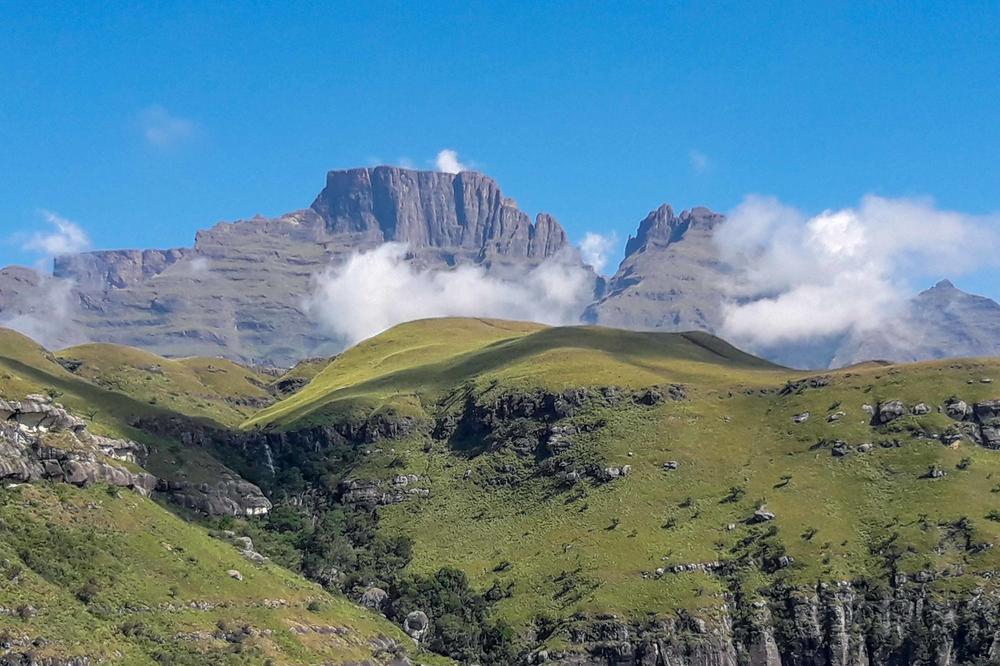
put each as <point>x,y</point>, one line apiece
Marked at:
<point>39,440</point>
<point>671,278</point>
<point>841,624</point>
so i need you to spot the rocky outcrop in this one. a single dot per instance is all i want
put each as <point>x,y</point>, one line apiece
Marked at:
<point>39,440</point>
<point>840,624</point>
<point>465,213</point>
<point>226,495</point>
<point>115,269</point>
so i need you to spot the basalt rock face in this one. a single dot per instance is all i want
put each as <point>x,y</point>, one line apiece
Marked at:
<point>671,278</point>
<point>831,625</point>
<point>39,440</point>
<point>239,292</point>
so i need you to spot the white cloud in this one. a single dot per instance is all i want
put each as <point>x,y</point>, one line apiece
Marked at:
<point>699,161</point>
<point>798,279</point>
<point>378,289</point>
<point>596,248</point>
<point>162,129</point>
<point>447,161</point>
<point>66,238</point>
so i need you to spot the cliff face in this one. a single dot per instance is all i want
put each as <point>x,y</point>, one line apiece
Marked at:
<point>671,277</point>
<point>239,291</point>
<point>903,624</point>
<point>465,212</point>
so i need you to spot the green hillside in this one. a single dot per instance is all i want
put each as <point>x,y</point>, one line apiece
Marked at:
<point>113,577</point>
<point>499,508</point>
<point>585,492</point>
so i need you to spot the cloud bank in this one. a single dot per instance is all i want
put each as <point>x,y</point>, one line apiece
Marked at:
<point>378,289</point>
<point>799,279</point>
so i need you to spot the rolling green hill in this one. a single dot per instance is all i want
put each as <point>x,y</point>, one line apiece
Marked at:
<point>584,495</point>
<point>510,429</point>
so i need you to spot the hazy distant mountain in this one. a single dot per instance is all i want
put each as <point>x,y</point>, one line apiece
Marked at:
<point>943,321</point>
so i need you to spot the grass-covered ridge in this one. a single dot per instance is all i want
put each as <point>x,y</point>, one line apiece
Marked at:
<point>555,549</point>
<point>429,358</point>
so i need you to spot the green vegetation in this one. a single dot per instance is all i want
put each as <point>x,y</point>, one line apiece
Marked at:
<point>489,446</point>
<point>111,575</point>
<point>594,547</point>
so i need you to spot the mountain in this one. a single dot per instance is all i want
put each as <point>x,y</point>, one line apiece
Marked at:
<point>239,292</point>
<point>942,322</point>
<point>673,279</point>
<point>670,278</point>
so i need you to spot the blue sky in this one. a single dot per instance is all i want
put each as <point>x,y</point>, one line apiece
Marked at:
<point>142,125</point>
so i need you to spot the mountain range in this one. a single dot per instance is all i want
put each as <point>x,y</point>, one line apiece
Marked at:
<point>240,292</point>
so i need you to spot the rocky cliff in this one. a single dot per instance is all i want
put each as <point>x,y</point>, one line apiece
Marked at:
<point>671,277</point>
<point>40,440</point>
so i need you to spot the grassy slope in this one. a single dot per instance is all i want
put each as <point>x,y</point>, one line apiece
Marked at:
<point>60,538</point>
<point>144,568</point>
<point>426,359</point>
<point>212,388</point>
<point>734,430</point>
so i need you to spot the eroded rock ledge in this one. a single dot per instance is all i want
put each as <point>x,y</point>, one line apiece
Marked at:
<point>39,440</point>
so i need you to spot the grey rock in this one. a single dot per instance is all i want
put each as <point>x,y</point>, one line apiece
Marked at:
<point>890,411</point>
<point>920,409</point>
<point>800,418</point>
<point>762,515</point>
<point>416,624</point>
<point>374,598</point>
<point>957,409</point>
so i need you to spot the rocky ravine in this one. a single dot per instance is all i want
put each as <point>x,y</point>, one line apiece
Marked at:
<point>899,620</point>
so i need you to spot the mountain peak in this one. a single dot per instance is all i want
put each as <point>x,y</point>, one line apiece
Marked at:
<point>432,209</point>
<point>944,284</point>
<point>662,228</point>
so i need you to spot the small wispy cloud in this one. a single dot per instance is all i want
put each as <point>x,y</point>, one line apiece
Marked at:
<point>698,160</point>
<point>66,237</point>
<point>596,249</point>
<point>162,129</point>
<point>448,162</point>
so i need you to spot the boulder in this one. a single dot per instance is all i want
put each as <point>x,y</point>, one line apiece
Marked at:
<point>762,515</point>
<point>416,624</point>
<point>920,409</point>
<point>374,598</point>
<point>957,409</point>
<point>890,411</point>
<point>836,416</point>
<point>800,418</point>
<point>233,573</point>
